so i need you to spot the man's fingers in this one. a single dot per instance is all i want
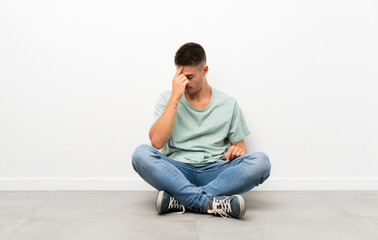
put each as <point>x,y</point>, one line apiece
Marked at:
<point>182,77</point>
<point>233,152</point>
<point>228,154</point>
<point>240,152</point>
<point>179,70</point>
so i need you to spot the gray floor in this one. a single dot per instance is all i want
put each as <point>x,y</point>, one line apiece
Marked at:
<point>92,215</point>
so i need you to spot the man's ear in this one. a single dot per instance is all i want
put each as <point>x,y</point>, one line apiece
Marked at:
<point>205,69</point>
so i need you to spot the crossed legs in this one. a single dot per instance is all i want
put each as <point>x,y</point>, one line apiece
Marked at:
<point>194,187</point>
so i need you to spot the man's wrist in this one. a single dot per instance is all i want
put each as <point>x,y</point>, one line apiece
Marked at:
<point>174,101</point>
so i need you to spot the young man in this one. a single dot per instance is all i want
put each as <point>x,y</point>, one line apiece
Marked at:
<point>194,126</point>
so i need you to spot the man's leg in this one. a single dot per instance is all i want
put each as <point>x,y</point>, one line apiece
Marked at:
<point>164,173</point>
<point>235,177</point>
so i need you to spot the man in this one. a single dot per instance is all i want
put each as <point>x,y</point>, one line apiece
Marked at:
<point>194,127</point>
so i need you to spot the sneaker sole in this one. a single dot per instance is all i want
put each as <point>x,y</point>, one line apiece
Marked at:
<point>242,206</point>
<point>159,200</point>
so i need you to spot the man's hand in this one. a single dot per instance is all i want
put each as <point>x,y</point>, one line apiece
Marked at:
<point>234,152</point>
<point>179,83</point>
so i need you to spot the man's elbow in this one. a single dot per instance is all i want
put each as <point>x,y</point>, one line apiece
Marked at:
<point>157,144</point>
<point>157,141</point>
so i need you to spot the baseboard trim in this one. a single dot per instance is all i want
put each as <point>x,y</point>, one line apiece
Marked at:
<point>137,184</point>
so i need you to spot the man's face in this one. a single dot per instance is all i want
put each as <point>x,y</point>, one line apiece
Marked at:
<point>196,76</point>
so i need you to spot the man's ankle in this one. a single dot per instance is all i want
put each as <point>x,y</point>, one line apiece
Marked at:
<point>209,205</point>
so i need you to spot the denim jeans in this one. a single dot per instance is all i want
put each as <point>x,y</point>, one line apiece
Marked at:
<point>194,186</point>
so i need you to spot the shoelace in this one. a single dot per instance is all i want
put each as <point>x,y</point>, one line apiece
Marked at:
<point>221,207</point>
<point>174,203</point>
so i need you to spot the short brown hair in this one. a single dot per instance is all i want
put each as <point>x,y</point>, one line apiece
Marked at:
<point>190,54</point>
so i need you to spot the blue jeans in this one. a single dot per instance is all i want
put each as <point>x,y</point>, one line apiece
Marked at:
<point>194,186</point>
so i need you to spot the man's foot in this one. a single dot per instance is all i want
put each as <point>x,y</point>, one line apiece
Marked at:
<point>166,203</point>
<point>227,206</point>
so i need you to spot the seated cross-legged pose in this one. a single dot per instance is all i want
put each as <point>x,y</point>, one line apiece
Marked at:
<point>197,159</point>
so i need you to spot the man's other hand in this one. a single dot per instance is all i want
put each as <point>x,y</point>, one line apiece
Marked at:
<point>234,152</point>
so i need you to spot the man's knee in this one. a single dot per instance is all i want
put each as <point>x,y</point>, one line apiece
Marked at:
<point>262,161</point>
<point>140,154</point>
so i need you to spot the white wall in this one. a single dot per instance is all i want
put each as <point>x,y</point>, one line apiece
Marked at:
<point>79,80</point>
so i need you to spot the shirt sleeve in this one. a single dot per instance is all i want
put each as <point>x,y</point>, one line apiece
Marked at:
<point>159,107</point>
<point>238,129</point>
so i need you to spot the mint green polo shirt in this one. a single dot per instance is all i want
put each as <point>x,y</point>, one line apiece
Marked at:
<point>200,137</point>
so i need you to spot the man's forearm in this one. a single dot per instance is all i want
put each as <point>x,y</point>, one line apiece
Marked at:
<point>161,130</point>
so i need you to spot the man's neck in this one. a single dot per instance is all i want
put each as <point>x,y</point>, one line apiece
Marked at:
<point>203,93</point>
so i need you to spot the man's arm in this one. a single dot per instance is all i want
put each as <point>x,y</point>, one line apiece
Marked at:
<point>237,149</point>
<point>161,130</point>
